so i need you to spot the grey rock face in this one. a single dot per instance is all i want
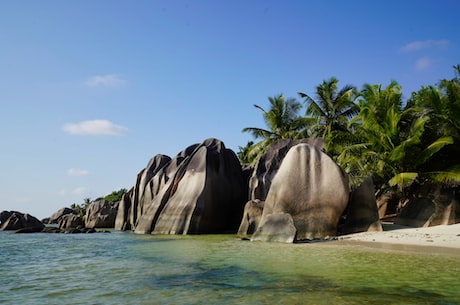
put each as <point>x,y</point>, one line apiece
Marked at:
<point>430,205</point>
<point>269,163</point>
<point>123,221</point>
<point>278,227</point>
<point>363,214</point>
<point>68,221</point>
<point>101,214</point>
<point>13,220</point>
<point>311,188</point>
<point>251,217</point>
<point>55,217</point>
<point>201,190</point>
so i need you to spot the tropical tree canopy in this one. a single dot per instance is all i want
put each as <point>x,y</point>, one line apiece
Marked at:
<point>373,131</point>
<point>283,122</point>
<point>331,110</point>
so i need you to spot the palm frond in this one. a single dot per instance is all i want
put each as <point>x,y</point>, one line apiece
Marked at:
<point>403,179</point>
<point>449,176</point>
<point>435,147</point>
<point>257,132</point>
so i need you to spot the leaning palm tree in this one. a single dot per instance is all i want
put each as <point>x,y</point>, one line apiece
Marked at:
<point>283,122</point>
<point>332,110</point>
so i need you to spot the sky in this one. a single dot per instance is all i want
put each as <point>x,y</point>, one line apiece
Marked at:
<point>91,90</point>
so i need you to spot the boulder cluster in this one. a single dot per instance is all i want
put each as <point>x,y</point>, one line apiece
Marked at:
<point>294,193</point>
<point>99,214</point>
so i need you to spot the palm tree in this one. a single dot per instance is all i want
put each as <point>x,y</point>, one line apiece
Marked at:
<point>442,103</point>
<point>388,139</point>
<point>283,122</point>
<point>244,153</point>
<point>332,110</point>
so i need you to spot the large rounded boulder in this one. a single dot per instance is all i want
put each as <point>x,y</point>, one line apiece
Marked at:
<point>201,190</point>
<point>312,189</point>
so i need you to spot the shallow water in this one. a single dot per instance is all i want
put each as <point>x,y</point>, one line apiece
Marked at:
<point>124,268</point>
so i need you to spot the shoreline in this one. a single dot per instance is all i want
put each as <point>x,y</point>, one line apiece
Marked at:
<point>442,239</point>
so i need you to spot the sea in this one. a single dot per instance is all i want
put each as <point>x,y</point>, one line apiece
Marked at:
<point>127,268</point>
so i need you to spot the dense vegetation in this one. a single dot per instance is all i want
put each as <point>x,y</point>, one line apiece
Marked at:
<point>372,131</point>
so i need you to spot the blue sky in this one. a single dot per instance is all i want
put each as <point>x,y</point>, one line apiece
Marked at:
<point>91,90</point>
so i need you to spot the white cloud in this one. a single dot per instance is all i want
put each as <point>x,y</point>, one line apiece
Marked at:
<point>77,172</point>
<point>80,191</point>
<point>109,80</point>
<point>423,63</point>
<point>95,128</point>
<point>424,44</point>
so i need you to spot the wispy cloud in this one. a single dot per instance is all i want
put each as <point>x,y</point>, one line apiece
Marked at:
<point>424,44</point>
<point>423,63</point>
<point>80,191</point>
<point>77,172</point>
<point>95,128</point>
<point>109,80</point>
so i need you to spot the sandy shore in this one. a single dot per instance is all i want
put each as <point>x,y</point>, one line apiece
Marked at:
<point>445,238</point>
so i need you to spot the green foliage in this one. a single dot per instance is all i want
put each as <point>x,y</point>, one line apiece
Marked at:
<point>373,131</point>
<point>115,195</point>
<point>330,111</point>
<point>81,208</point>
<point>283,122</point>
<point>244,153</point>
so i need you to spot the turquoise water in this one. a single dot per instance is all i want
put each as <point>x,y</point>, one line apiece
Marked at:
<point>124,268</point>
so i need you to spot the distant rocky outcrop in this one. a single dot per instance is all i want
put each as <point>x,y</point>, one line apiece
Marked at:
<point>13,220</point>
<point>362,213</point>
<point>201,190</point>
<point>312,189</point>
<point>101,214</point>
<point>430,205</point>
<point>56,216</point>
<point>68,221</point>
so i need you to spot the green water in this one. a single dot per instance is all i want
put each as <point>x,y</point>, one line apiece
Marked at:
<point>123,268</point>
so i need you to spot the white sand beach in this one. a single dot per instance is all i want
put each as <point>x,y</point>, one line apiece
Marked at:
<point>443,238</point>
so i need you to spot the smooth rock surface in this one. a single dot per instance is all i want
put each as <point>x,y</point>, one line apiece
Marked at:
<point>311,188</point>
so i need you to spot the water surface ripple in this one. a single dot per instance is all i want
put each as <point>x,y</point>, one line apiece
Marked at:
<point>124,268</point>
